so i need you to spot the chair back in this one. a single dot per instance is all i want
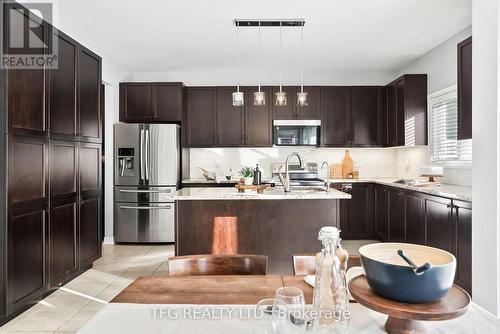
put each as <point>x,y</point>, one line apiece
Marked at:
<point>239,264</point>
<point>305,263</point>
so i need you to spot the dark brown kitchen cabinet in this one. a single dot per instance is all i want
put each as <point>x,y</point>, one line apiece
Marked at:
<point>397,226</point>
<point>407,110</point>
<point>312,109</point>
<point>136,105</point>
<point>357,214</point>
<point>381,213</point>
<point>367,116</point>
<point>63,112</point>
<point>89,95</point>
<point>62,241</point>
<point>292,110</point>
<point>52,184</point>
<point>89,222</point>
<point>200,116</point>
<point>335,116</point>
<point>25,88</point>
<point>258,119</point>
<point>26,242</point>
<point>230,119</point>
<point>63,167</point>
<point>439,222</point>
<point>462,213</point>
<point>464,80</point>
<point>415,228</point>
<point>146,102</point>
<point>168,102</point>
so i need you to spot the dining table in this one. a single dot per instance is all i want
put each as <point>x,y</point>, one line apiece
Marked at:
<point>220,304</point>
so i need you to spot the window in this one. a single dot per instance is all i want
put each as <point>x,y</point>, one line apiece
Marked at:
<point>443,118</point>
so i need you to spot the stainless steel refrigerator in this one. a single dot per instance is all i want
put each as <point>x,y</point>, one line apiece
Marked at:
<point>147,173</point>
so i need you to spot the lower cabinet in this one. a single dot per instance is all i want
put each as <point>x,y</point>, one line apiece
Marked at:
<point>439,222</point>
<point>357,214</point>
<point>462,213</point>
<point>397,226</point>
<point>62,244</point>
<point>415,229</point>
<point>26,258</point>
<point>89,230</point>
<point>381,213</point>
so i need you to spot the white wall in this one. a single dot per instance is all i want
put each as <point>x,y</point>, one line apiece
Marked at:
<point>440,63</point>
<point>486,147</point>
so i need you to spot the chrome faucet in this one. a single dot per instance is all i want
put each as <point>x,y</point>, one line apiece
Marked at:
<point>327,175</point>
<point>285,180</point>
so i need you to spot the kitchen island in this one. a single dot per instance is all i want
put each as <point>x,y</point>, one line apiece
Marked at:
<point>276,224</point>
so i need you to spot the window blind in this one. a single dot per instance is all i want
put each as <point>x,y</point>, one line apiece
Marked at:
<point>443,120</point>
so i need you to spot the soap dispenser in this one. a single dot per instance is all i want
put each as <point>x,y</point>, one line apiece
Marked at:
<point>257,176</point>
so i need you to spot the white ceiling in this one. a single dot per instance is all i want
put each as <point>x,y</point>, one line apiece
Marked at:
<point>196,35</point>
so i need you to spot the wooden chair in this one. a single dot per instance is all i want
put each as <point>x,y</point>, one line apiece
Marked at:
<point>217,265</point>
<point>305,264</point>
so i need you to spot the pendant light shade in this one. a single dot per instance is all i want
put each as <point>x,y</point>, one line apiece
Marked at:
<point>280,97</point>
<point>302,96</point>
<point>302,99</point>
<point>238,97</point>
<point>259,97</point>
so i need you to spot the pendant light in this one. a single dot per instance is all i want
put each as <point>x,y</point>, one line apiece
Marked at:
<point>281,99</point>
<point>259,97</point>
<point>238,97</point>
<point>302,96</point>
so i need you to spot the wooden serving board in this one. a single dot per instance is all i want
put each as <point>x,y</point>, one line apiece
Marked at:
<point>260,188</point>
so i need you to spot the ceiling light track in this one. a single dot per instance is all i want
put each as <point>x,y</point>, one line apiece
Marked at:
<point>270,23</point>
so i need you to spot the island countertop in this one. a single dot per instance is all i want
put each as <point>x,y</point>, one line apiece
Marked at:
<point>274,193</point>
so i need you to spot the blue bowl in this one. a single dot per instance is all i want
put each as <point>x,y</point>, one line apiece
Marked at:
<point>391,277</point>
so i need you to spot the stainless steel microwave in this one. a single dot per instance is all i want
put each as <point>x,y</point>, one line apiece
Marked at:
<point>296,132</point>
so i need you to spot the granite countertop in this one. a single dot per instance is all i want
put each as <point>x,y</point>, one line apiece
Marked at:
<point>445,190</point>
<point>269,194</point>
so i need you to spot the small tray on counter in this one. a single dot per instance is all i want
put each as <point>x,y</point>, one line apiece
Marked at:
<point>260,188</point>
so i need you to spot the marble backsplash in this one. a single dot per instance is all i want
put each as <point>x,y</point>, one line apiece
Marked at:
<point>401,162</point>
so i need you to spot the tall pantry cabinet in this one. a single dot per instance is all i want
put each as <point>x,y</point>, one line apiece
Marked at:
<point>51,174</point>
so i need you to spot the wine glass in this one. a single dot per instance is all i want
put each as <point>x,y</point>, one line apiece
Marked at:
<point>295,307</point>
<point>270,317</point>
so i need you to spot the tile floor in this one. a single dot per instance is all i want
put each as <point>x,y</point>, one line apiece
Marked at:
<point>69,308</point>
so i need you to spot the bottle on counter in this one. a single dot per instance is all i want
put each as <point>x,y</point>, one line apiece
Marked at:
<point>257,176</point>
<point>330,296</point>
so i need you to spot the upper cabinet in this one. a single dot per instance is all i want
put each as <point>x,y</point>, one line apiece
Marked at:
<point>230,119</point>
<point>407,111</point>
<point>89,99</point>
<point>63,112</point>
<point>352,116</point>
<point>200,116</point>
<point>292,110</point>
<point>258,119</point>
<point>151,102</point>
<point>367,116</point>
<point>464,61</point>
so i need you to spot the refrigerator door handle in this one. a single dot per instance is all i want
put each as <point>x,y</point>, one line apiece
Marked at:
<point>167,207</point>
<point>141,152</point>
<point>146,191</point>
<point>147,155</point>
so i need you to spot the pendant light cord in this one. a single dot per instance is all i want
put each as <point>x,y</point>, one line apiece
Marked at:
<point>260,61</point>
<point>302,59</point>
<point>238,58</point>
<point>281,58</point>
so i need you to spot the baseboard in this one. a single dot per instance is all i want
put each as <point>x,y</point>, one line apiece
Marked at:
<point>108,241</point>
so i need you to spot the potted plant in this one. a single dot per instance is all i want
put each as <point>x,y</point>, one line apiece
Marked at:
<point>247,174</point>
